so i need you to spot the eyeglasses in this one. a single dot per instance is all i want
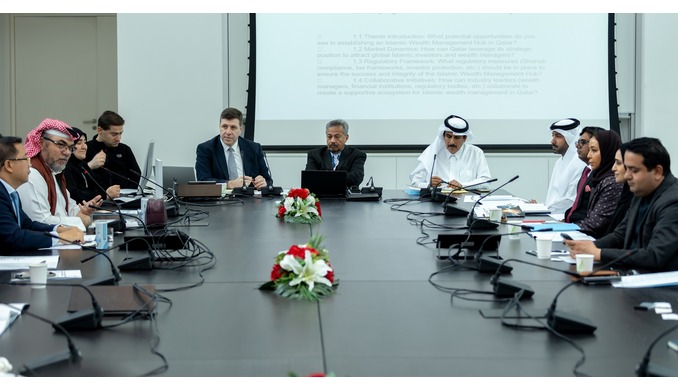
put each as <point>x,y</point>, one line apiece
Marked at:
<point>61,145</point>
<point>19,159</point>
<point>582,142</point>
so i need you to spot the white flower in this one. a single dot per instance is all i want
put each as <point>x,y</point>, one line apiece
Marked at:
<point>310,273</point>
<point>288,203</point>
<point>5,366</point>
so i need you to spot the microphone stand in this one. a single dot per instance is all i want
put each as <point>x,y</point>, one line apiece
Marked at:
<point>122,225</point>
<point>72,355</point>
<point>107,280</point>
<point>270,190</point>
<point>484,224</point>
<point>563,322</point>
<point>451,210</point>
<point>645,368</point>
<point>125,178</point>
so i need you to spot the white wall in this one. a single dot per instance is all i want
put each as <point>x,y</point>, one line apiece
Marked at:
<point>170,82</point>
<point>657,99</point>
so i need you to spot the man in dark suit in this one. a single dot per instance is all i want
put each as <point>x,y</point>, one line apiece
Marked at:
<point>231,159</point>
<point>337,156</point>
<point>17,231</point>
<point>651,223</point>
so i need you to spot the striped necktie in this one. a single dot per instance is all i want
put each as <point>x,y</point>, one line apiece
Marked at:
<point>232,168</point>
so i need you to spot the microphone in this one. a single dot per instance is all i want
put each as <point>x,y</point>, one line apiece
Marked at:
<point>504,288</point>
<point>72,355</point>
<point>457,211</point>
<point>430,189</point>
<point>645,368</point>
<point>125,178</point>
<point>486,264</point>
<point>269,190</point>
<point>481,223</point>
<point>563,322</point>
<point>86,319</point>
<point>121,225</point>
<point>107,280</point>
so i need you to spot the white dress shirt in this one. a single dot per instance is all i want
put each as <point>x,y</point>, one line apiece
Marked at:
<point>468,166</point>
<point>35,203</point>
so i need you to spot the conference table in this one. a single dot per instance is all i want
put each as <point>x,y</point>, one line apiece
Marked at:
<point>386,317</point>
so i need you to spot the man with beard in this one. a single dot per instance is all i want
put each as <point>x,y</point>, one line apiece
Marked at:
<point>456,162</point>
<point>568,168</point>
<point>45,197</point>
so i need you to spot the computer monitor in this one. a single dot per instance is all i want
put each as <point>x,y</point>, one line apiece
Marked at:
<point>148,168</point>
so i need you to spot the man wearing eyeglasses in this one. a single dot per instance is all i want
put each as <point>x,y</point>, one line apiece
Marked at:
<point>45,197</point>
<point>580,206</point>
<point>17,231</point>
<point>117,159</point>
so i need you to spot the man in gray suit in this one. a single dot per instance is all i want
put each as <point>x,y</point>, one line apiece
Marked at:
<point>651,224</point>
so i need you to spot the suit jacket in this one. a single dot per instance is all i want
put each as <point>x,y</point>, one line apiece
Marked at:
<point>29,236</point>
<point>352,161</point>
<point>657,239</point>
<point>210,160</point>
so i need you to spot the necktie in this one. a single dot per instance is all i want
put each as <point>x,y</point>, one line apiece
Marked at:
<point>232,169</point>
<point>335,161</point>
<point>15,201</point>
<point>580,189</point>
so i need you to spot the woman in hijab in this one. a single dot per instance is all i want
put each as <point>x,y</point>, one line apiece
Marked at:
<point>605,191</point>
<point>626,195</point>
<point>80,184</point>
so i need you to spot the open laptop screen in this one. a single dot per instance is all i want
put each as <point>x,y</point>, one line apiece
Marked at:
<point>325,183</point>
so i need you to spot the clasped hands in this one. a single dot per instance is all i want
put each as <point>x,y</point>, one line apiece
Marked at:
<point>259,182</point>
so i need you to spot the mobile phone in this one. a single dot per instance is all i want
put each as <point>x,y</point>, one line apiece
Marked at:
<point>673,344</point>
<point>608,279</point>
<point>565,236</point>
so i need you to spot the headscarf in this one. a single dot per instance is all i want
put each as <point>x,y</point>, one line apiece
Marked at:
<point>609,142</point>
<point>33,151</point>
<point>454,124</point>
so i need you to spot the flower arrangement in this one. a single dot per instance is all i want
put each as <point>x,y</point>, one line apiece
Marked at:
<point>300,206</point>
<point>303,272</point>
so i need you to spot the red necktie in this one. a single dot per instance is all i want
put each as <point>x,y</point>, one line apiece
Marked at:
<point>580,188</point>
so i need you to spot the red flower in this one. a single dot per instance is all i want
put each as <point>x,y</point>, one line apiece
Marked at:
<point>276,272</point>
<point>298,192</point>
<point>330,276</point>
<point>317,375</point>
<point>281,211</point>
<point>312,250</point>
<point>296,251</point>
<point>317,206</point>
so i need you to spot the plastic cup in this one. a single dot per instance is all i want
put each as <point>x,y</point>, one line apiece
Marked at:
<point>514,231</point>
<point>495,215</point>
<point>38,274</point>
<point>584,262</point>
<point>544,245</point>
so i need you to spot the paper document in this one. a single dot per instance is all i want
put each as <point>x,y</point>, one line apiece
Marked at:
<point>657,279</point>
<point>22,262</point>
<point>9,313</point>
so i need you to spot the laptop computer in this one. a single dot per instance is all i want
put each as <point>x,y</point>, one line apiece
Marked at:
<point>182,175</point>
<point>325,184</point>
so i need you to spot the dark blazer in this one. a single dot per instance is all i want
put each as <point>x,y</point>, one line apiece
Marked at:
<point>210,161</point>
<point>657,241</point>
<point>29,236</point>
<point>79,185</point>
<point>352,161</point>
